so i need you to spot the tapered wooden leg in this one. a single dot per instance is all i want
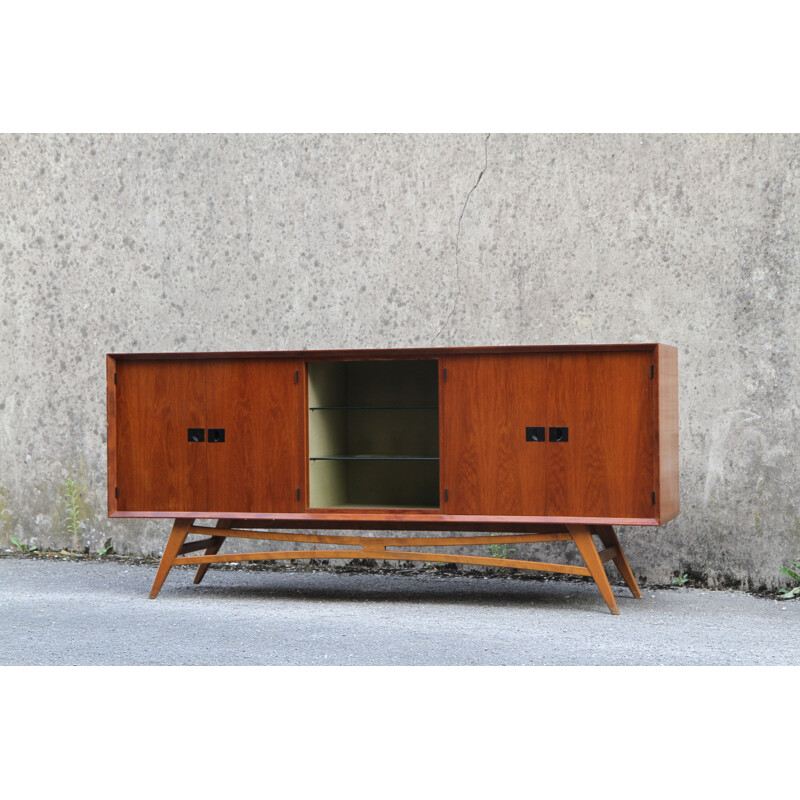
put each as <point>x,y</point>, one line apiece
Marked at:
<point>608,536</point>
<point>180,530</point>
<point>214,549</point>
<point>582,536</point>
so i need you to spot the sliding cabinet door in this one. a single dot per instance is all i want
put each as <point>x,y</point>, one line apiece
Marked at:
<point>603,465</point>
<point>494,411</point>
<point>159,465</point>
<point>256,438</point>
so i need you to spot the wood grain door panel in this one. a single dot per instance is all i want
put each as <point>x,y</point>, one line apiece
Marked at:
<point>158,468</point>
<point>606,467</point>
<point>260,465</point>
<point>488,467</point>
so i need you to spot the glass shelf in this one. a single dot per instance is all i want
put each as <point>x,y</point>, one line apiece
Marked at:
<point>370,424</point>
<point>374,408</point>
<point>373,458</point>
<point>379,506</point>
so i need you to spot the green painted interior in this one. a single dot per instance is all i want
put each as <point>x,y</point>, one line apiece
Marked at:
<point>375,425</point>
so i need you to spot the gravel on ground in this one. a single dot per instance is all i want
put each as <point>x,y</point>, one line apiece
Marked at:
<point>97,612</point>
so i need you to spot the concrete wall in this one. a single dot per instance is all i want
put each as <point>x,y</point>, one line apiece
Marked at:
<point>209,242</point>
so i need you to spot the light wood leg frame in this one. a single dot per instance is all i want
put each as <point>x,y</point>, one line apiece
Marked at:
<point>222,524</point>
<point>177,537</point>
<point>582,536</point>
<point>608,537</point>
<point>376,547</point>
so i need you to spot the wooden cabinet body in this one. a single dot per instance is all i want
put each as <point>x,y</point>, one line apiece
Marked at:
<point>494,438</point>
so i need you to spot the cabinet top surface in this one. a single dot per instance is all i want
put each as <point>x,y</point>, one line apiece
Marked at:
<point>381,353</point>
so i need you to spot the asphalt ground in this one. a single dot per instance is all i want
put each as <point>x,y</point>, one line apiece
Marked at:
<point>93,612</point>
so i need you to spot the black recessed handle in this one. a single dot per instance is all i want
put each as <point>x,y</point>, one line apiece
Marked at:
<point>216,435</point>
<point>197,434</point>
<point>559,434</point>
<point>534,434</point>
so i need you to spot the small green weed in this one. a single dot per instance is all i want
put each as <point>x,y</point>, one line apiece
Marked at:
<point>106,549</point>
<point>791,572</point>
<point>23,548</point>
<point>500,550</point>
<point>73,502</point>
<point>680,580</point>
<point>6,520</point>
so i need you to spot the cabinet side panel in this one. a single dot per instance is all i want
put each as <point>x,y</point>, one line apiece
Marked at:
<point>259,466</point>
<point>669,481</point>
<point>158,468</point>
<point>111,433</point>
<point>604,467</point>
<point>488,467</point>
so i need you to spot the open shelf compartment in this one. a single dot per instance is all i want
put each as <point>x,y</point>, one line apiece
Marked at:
<point>373,434</point>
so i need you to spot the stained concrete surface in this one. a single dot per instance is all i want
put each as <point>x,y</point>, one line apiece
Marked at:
<point>98,613</point>
<point>154,243</point>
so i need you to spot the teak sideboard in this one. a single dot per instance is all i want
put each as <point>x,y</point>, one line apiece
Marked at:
<point>503,445</point>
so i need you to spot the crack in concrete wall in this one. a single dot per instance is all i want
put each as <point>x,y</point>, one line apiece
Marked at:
<point>458,236</point>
